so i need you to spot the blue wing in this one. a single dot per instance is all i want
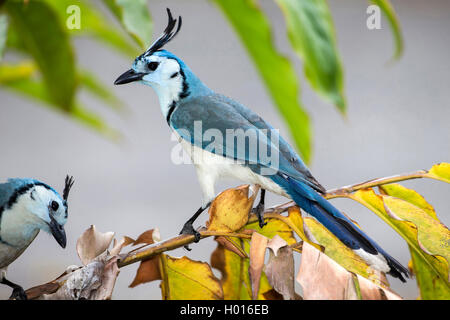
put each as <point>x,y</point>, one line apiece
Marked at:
<point>221,113</point>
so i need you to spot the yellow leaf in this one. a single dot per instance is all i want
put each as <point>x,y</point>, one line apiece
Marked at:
<point>272,228</point>
<point>440,171</point>
<point>401,192</point>
<point>424,234</point>
<point>342,254</point>
<point>431,286</point>
<point>230,210</point>
<point>185,279</point>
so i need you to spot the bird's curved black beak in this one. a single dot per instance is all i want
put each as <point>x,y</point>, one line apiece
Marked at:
<point>58,232</point>
<point>129,76</point>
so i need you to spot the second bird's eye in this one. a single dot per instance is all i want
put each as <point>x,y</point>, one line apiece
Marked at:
<point>55,205</point>
<point>152,65</point>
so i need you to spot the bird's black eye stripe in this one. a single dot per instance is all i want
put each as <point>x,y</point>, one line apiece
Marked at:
<point>152,65</point>
<point>174,75</point>
<point>54,205</point>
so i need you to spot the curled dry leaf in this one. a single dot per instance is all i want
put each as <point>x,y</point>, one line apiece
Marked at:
<point>148,237</point>
<point>108,280</point>
<point>92,243</point>
<point>230,210</point>
<point>229,244</point>
<point>119,245</point>
<point>280,268</point>
<point>258,246</point>
<point>94,281</point>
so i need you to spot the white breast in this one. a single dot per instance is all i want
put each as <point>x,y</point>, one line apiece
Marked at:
<point>211,167</point>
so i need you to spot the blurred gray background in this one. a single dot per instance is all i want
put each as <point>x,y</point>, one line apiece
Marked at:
<point>398,121</point>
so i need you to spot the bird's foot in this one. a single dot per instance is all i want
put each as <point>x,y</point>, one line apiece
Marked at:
<point>188,228</point>
<point>18,294</point>
<point>259,211</point>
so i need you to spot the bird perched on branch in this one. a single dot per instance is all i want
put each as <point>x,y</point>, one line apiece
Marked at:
<point>27,206</point>
<point>197,114</point>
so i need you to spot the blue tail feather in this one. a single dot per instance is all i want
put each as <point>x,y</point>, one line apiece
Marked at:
<point>337,223</point>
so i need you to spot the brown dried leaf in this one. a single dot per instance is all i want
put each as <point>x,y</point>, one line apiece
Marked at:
<point>148,271</point>
<point>272,295</point>
<point>321,277</point>
<point>230,210</point>
<point>370,291</point>
<point>38,291</point>
<point>280,268</point>
<point>258,246</point>
<point>324,279</point>
<point>92,243</point>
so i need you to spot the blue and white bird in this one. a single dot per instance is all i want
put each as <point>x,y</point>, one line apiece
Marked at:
<point>26,207</point>
<point>188,105</point>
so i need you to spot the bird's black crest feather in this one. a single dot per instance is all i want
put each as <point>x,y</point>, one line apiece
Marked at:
<point>67,186</point>
<point>167,35</point>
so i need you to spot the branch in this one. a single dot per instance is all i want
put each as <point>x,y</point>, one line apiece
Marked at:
<point>171,244</point>
<point>347,190</point>
<point>183,240</point>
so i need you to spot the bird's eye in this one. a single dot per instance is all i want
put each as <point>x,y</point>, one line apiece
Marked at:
<point>54,205</point>
<point>152,65</point>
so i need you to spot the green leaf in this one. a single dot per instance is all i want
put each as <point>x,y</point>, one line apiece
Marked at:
<point>3,33</point>
<point>49,45</point>
<point>277,72</point>
<point>36,89</point>
<point>90,82</point>
<point>311,32</point>
<point>389,12</point>
<point>95,24</point>
<point>431,286</point>
<point>13,72</point>
<point>135,18</point>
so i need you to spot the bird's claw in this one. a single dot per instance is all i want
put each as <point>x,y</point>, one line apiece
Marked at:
<point>18,294</point>
<point>188,228</point>
<point>259,211</point>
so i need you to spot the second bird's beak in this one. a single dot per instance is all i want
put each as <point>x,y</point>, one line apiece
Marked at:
<point>58,232</point>
<point>129,76</point>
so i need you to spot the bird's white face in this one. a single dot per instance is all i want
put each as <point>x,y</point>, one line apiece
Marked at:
<point>37,208</point>
<point>46,205</point>
<point>163,75</point>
